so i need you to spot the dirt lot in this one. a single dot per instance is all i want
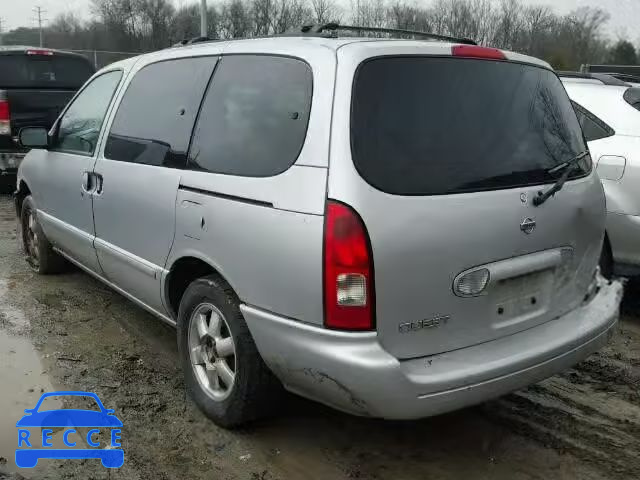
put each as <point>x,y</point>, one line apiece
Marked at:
<point>70,332</point>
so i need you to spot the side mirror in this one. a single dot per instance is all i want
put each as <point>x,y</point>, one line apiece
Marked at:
<point>34,137</point>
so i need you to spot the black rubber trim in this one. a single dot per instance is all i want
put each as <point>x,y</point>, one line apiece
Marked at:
<point>226,196</point>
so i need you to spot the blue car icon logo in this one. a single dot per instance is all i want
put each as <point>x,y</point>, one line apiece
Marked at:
<point>32,447</point>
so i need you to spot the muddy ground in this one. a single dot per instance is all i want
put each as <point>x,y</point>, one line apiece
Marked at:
<point>70,332</point>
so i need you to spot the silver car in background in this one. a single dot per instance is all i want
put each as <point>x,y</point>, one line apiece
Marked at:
<point>395,228</point>
<point>609,111</point>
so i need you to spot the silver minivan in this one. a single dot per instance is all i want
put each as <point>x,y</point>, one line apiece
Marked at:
<point>395,228</point>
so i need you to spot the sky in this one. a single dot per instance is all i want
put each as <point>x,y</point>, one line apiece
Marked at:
<point>625,14</point>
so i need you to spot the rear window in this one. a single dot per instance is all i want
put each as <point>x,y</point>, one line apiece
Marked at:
<point>433,126</point>
<point>43,71</point>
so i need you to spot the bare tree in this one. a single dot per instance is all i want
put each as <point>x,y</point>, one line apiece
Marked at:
<point>290,14</point>
<point>234,20</point>
<point>510,22</point>
<point>369,13</point>
<point>154,19</point>
<point>141,25</point>
<point>186,23</point>
<point>325,11</point>
<point>484,22</point>
<point>263,13</point>
<point>538,21</point>
<point>406,16</point>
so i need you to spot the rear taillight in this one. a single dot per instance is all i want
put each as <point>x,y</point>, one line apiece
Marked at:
<point>476,51</point>
<point>348,270</point>
<point>5,115</point>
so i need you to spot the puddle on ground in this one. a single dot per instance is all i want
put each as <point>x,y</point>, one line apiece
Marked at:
<point>10,317</point>
<point>13,317</point>
<point>22,380</point>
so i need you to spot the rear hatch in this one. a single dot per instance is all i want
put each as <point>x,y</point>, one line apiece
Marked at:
<point>448,154</point>
<point>38,85</point>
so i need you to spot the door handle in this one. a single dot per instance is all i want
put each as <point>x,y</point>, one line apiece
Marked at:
<point>91,183</point>
<point>98,183</point>
<point>86,182</point>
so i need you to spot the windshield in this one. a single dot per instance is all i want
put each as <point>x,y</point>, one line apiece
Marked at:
<point>40,71</point>
<point>432,125</point>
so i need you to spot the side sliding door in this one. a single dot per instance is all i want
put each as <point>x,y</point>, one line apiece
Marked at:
<point>140,168</point>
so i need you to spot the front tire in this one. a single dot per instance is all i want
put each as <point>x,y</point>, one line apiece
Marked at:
<point>39,252</point>
<point>224,373</point>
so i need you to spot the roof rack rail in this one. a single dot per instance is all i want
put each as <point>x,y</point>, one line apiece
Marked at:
<point>331,29</point>
<point>601,77</point>
<point>625,77</point>
<point>191,41</point>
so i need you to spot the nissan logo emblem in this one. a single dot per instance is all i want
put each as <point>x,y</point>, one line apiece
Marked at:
<point>528,225</point>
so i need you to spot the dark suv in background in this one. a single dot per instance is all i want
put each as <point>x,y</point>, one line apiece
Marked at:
<point>35,85</point>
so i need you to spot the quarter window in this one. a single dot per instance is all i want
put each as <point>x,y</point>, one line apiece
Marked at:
<point>632,97</point>
<point>592,126</point>
<point>254,118</point>
<point>80,125</point>
<point>156,115</point>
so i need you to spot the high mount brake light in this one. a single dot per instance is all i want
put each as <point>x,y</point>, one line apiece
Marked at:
<point>475,51</point>
<point>40,52</point>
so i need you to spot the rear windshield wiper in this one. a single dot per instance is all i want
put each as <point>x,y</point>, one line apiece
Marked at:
<point>566,168</point>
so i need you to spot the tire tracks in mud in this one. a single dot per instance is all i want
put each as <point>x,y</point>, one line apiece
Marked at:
<point>591,411</point>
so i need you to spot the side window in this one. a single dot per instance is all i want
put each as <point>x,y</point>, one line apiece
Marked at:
<point>254,117</point>
<point>592,126</point>
<point>155,118</point>
<point>80,125</point>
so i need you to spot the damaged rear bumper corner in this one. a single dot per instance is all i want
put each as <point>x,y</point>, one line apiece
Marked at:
<point>353,373</point>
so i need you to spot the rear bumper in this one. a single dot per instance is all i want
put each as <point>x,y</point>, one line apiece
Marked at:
<point>353,373</point>
<point>624,235</point>
<point>10,161</point>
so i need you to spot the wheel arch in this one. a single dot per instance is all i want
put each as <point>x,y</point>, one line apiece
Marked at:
<point>182,272</point>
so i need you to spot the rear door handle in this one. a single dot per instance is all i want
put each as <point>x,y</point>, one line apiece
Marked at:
<point>98,183</point>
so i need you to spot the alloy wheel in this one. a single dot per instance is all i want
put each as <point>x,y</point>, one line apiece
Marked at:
<point>212,351</point>
<point>31,240</point>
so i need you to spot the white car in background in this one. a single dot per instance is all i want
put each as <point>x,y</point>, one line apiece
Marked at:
<point>609,111</point>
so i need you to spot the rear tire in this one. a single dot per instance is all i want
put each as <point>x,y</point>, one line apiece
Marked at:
<point>606,260</point>
<point>223,371</point>
<point>39,252</point>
